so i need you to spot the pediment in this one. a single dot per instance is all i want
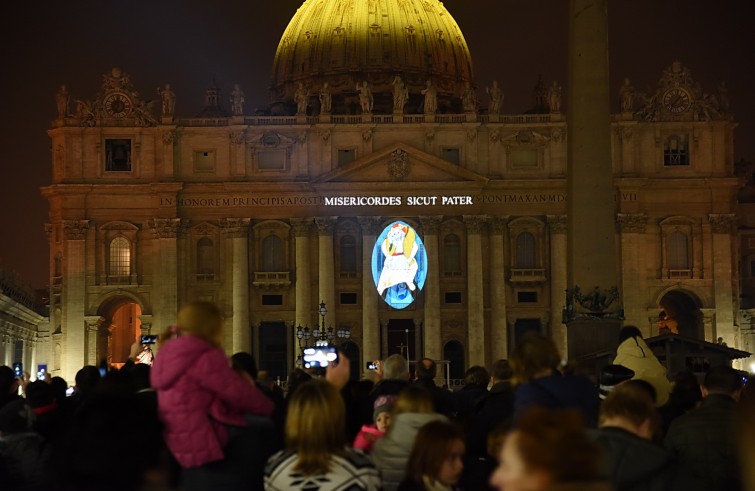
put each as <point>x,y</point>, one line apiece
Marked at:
<point>400,163</point>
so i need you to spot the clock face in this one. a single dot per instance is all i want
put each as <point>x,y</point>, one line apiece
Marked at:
<point>676,100</point>
<point>118,105</point>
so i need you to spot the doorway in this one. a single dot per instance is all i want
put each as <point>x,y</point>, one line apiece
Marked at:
<point>273,349</point>
<point>402,337</point>
<point>522,327</point>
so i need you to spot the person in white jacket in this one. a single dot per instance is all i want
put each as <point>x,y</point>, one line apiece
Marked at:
<point>635,354</point>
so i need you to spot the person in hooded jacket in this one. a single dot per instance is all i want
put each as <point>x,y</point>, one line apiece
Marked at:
<point>202,401</point>
<point>636,355</point>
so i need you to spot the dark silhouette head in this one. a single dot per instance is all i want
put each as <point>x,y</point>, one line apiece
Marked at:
<point>629,332</point>
<point>245,362</point>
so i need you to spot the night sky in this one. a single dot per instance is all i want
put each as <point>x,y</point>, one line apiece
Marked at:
<point>188,43</point>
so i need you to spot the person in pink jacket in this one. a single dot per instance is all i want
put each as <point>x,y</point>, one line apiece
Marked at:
<point>200,398</point>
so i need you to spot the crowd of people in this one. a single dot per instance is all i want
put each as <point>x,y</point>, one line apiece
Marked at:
<point>197,420</point>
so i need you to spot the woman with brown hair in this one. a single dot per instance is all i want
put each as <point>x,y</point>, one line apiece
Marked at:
<point>549,451</point>
<point>316,456</point>
<point>435,463</point>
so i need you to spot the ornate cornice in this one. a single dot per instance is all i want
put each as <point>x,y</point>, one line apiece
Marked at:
<point>325,225</point>
<point>369,225</point>
<point>302,227</point>
<point>164,228</point>
<point>722,223</point>
<point>75,229</point>
<point>430,224</point>
<point>235,228</point>
<point>632,223</point>
<point>558,224</point>
<point>475,223</point>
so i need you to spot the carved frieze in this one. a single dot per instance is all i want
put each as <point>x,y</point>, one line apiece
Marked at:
<point>370,225</point>
<point>164,228</point>
<point>75,229</point>
<point>475,223</point>
<point>326,225</point>
<point>302,227</point>
<point>632,223</point>
<point>499,224</point>
<point>722,223</point>
<point>430,225</point>
<point>398,165</point>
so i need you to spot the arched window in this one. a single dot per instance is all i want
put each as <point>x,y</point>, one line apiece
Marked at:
<point>205,256</point>
<point>272,254</point>
<point>120,257</point>
<point>348,254</point>
<point>678,251</point>
<point>452,254</point>
<point>525,251</point>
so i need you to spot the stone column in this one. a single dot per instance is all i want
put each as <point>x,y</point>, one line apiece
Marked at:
<point>498,328</point>
<point>721,228</point>
<point>165,285</point>
<point>370,325</point>
<point>74,298</point>
<point>632,227</point>
<point>237,231</point>
<point>557,225</point>
<point>592,261</point>
<point>326,266</point>
<point>302,228</point>
<point>475,307</point>
<point>432,327</point>
<point>92,328</point>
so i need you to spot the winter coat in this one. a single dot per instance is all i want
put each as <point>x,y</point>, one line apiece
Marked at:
<point>391,453</point>
<point>443,399</point>
<point>705,442</point>
<point>25,458</point>
<point>635,354</point>
<point>198,394</point>
<point>367,437</point>
<point>632,463</point>
<point>559,392</point>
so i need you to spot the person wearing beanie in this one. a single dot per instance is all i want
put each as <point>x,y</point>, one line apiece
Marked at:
<point>369,434</point>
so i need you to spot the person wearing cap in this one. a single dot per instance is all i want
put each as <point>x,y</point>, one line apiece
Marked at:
<point>611,376</point>
<point>370,434</point>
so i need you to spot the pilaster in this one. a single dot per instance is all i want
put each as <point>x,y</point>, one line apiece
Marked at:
<point>557,225</point>
<point>632,228</point>
<point>498,327</point>
<point>475,307</point>
<point>370,326</point>
<point>432,327</point>
<point>237,231</point>
<point>302,228</point>
<point>326,265</point>
<point>722,226</point>
<point>165,232</point>
<point>74,298</point>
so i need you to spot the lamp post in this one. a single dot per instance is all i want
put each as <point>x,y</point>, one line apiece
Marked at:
<point>320,335</point>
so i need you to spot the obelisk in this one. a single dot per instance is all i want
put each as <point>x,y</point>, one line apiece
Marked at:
<point>592,266</point>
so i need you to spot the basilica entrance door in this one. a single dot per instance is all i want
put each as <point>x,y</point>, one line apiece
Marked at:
<point>403,338</point>
<point>273,349</point>
<point>122,327</point>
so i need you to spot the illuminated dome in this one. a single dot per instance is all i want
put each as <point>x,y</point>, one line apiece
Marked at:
<point>345,42</point>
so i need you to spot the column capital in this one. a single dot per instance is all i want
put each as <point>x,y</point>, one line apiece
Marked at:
<point>93,322</point>
<point>164,228</point>
<point>557,224</point>
<point>430,224</point>
<point>475,223</point>
<point>235,228</point>
<point>722,223</point>
<point>75,229</point>
<point>498,224</point>
<point>632,223</point>
<point>370,225</point>
<point>326,225</point>
<point>301,226</point>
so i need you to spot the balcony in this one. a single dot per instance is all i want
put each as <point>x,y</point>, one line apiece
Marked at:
<point>271,280</point>
<point>528,276</point>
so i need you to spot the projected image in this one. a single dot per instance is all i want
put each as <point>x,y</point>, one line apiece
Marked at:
<point>399,264</point>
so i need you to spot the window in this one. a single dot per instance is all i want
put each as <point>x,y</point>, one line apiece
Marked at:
<point>452,255</point>
<point>205,258</point>
<point>204,161</point>
<point>120,257</point>
<point>676,150</point>
<point>346,156</point>
<point>525,251</point>
<point>272,299</point>
<point>678,252</point>
<point>348,254</point>
<point>348,298</point>
<point>452,155</point>
<point>117,155</point>
<point>452,297</point>
<point>526,297</point>
<point>272,254</point>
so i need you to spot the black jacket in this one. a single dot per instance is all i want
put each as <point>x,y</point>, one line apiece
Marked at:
<point>704,440</point>
<point>632,463</point>
<point>442,399</point>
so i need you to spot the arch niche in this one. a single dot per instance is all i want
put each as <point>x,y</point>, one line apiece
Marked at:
<point>120,326</point>
<point>684,307</point>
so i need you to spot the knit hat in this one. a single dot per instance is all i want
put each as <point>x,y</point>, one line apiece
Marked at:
<point>383,404</point>
<point>611,376</point>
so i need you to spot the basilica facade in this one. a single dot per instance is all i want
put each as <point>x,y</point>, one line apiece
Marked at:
<point>375,119</point>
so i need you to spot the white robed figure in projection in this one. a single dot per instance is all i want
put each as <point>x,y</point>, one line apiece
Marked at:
<point>400,266</point>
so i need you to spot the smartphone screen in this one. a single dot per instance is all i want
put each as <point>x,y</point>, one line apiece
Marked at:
<point>371,365</point>
<point>149,339</point>
<point>18,370</point>
<point>319,356</point>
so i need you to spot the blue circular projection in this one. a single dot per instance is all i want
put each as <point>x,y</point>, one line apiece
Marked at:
<point>399,264</point>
